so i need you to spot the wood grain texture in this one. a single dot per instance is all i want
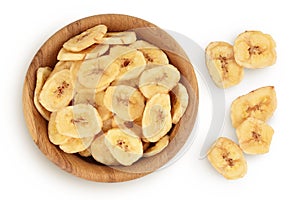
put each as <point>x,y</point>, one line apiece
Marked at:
<point>88,169</point>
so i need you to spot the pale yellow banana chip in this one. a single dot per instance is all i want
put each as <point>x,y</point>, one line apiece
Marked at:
<point>85,96</point>
<point>254,49</point>
<point>78,121</point>
<point>131,65</point>
<point>157,120</point>
<point>227,158</point>
<point>142,44</point>
<point>222,66</point>
<point>129,76</point>
<point>155,56</point>
<point>85,39</point>
<point>180,102</point>
<point>54,136</point>
<point>97,73</point>
<point>65,55</point>
<point>41,76</point>
<point>158,147</point>
<point>92,52</point>
<point>123,147</point>
<point>118,51</point>
<point>104,113</point>
<point>75,145</point>
<point>152,54</point>
<point>57,91</point>
<point>254,136</point>
<point>61,65</point>
<point>129,127</point>
<point>125,37</point>
<point>260,103</point>
<point>125,101</point>
<point>101,153</point>
<point>160,79</point>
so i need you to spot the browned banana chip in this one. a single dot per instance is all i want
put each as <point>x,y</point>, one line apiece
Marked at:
<point>107,125</point>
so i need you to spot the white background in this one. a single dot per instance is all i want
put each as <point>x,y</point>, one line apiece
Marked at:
<point>27,173</point>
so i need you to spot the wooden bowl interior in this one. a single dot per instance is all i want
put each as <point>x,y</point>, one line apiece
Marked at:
<point>88,168</point>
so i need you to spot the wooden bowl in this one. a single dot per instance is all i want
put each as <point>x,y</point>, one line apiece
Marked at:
<point>88,168</point>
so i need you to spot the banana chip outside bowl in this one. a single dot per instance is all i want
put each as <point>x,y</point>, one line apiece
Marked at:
<point>88,168</point>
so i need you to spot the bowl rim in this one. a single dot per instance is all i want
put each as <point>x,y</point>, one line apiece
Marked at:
<point>67,162</point>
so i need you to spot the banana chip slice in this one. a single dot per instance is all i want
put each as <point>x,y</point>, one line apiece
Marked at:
<point>130,77</point>
<point>54,136</point>
<point>92,52</point>
<point>124,148</point>
<point>157,120</point>
<point>60,65</point>
<point>254,49</point>
<point>158,147</point>
<point>101,153</point>
<point>180,103</point>
<point>41,76</point>
<point>78,121</point>
<point>254,136</point>
<point>85,39</point>
<point>160,79</point>
<point>84,96</point>
<point>260,103</point>
<point>129,127</point>
<point>104,113</point>
<point>125,37</point>
<point>222,66</point>
<point>133,62</point>
<point>227,158</point>
<point>152,54</point>
<point>125,101</point>
<point>57,91</point>
<point>85,153</point>
<point>75,145</point>
<point>98,73</point>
